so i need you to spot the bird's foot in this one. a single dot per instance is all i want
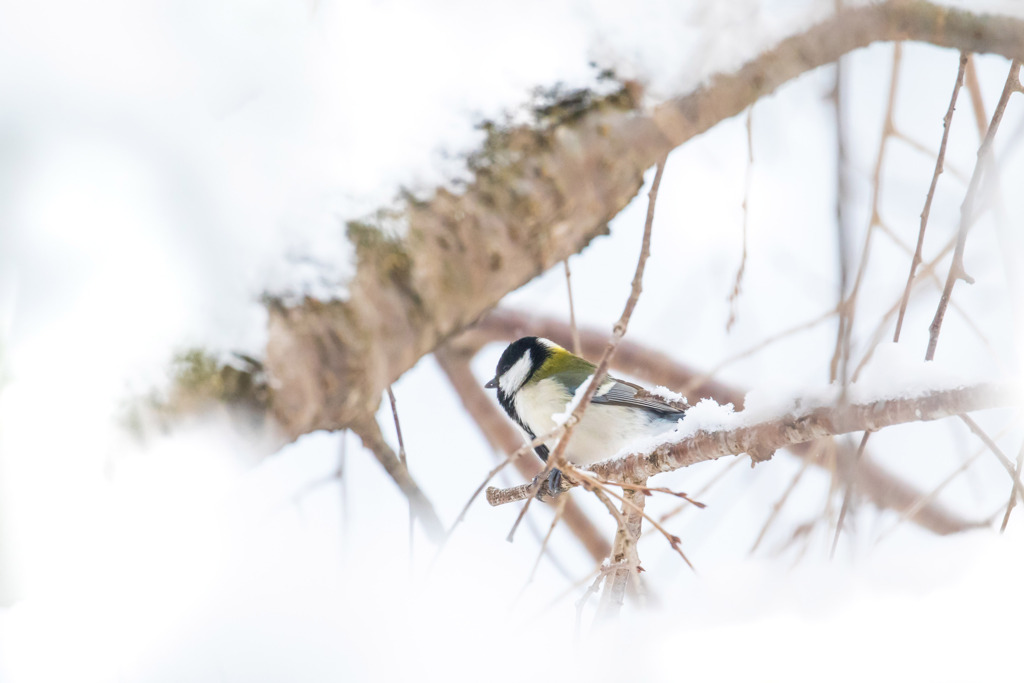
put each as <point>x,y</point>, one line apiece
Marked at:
<point>551,486</point>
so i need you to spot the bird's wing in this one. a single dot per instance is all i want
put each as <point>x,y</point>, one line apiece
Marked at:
<point>619,393</point>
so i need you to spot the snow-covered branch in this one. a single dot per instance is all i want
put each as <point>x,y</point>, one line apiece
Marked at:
<point>540,194</point>
<point>762,438</point>
<point>874,480</point>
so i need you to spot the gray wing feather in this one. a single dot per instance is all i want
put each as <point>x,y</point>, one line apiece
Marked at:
<point>625,394</point>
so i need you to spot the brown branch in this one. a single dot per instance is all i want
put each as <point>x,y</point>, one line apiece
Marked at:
<point>956,268</point>
<point>762,439</point>
<point>916,260</point>
<point>848,495</point>
<point>839,367</point>
<point>597,484</point>
<point>778,505</point>
<point>572,309</point>
<point>538,195</point>
<point>401,458</point>
<point>996,450</point>
<point>1013,490</point>
<point>624,553</point>
<point>738,284</point>
<point>560,504</point>
<point>883,488</point>
<point>977,101</point>
<point>374,441</point>
<point>933,494</point>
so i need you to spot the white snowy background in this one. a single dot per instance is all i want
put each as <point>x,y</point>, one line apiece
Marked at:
<point>162,163</point>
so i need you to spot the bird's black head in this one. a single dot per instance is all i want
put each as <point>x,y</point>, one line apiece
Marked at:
<point>518,363</point>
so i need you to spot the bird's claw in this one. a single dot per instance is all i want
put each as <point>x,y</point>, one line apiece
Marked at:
<point>553,483</point>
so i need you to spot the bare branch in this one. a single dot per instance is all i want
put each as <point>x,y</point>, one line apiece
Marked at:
<point>738,284</point>
<point>848,495</point>
<point>996,450</point>
<point>572,310</point>
<point>839,367</point>
<point>777,507</point>
<point>401,458</point>
<point>977,101</point>
<point>624,554</point>
<point>373,440</point>
<point>762,439</point>
<point>596,484</point>
<point>956,268</point>
<point>1013,490</point>
<point>916,261</point>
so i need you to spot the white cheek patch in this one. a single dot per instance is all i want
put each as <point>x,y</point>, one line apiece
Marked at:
<point>516,375</point>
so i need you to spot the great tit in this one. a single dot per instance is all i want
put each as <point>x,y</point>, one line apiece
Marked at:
<point>536,379</point>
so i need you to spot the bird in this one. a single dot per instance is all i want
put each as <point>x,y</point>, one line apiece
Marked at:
<point>537,379</point>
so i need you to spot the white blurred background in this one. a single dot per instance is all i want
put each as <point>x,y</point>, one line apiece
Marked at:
<point>163,163</point>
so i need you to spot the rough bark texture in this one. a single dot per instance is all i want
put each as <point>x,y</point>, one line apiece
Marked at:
<point>538,196</point>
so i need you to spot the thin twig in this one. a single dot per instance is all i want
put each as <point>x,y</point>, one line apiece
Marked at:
<point>1013,490</point>
<point>778,505</point>
<point>738,284</point>
<point>700,493</point>
<point>651,490</point>
<point>557,456</point>
<point>591,590</point>
<point>595,483</point>
<point>927,271</point>
<point>916,260</point>
<point>934,493</point>
<point>956,268</point>
<point>340,473</point>
<point>701,379</point>
<point>1007,464</point>
<point>842,226</point>
<point>572,310</point>
<point>560,504</point>
<point>369,431</point>
<point>847,309</point>
<point>401,458</point>
<point>848,494</point>
<point>518,453</point>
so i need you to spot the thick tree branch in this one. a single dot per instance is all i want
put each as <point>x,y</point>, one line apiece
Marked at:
<point>625,558</point>
<point>538,196</point>
<point>762,439</point>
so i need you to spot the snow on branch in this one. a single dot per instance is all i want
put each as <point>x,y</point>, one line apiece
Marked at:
<point>761,439</point>
<point>539,194</point>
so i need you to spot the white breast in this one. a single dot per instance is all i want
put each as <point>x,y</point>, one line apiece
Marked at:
<point>603,431</point>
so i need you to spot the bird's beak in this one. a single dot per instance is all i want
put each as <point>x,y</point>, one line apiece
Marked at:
<point>492,384</point>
